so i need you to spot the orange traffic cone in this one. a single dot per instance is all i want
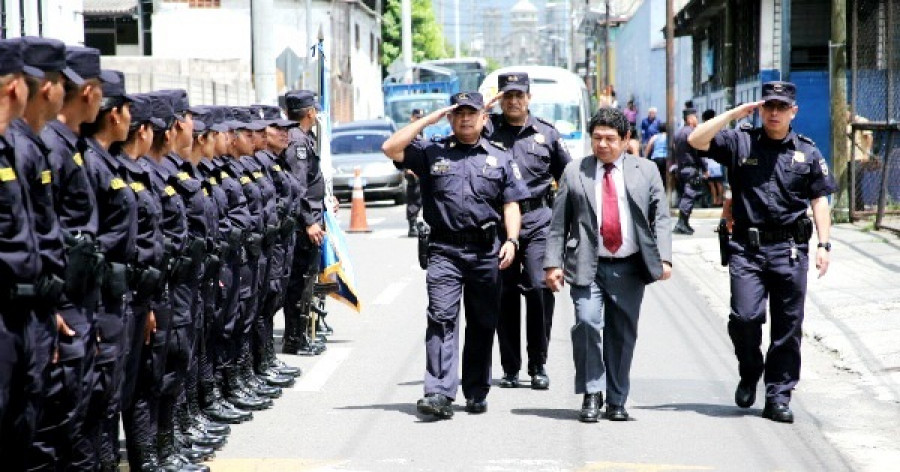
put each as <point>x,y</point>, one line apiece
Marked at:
<point>358,222</point>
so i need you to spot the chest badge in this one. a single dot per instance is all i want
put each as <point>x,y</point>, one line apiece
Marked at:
<point>301,153</point>
<point>516,171</point>
<point>799,156</point>
<point>440,167</point>
<point>750,161</point>
<point>491,161</point>
<point>539,138</point>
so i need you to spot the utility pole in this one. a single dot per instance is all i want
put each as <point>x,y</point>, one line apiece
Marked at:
<point>456,28</point>
<point>838,62</point>
<point>670,74</point>
<point>261,15</point>
<point>570,29</point>
<point>606,67</point>
<point>406,32</point>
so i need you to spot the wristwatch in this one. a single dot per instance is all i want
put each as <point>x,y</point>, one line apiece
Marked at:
<point>514,241</point>
<point>827,246</point>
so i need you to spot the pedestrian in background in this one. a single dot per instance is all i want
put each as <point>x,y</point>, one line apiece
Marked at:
<point>413,194</point>
<point>691,172</point>
<point>609,238</point>
<point>776,174</point>
<point>649,127</point>
<point>657,150</point>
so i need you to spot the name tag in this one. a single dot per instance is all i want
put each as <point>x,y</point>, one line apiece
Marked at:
<point>46,177</point>
<point>78,159</point>
<point>7,174</point>
<point>137,187</point>
<point>117,184</point>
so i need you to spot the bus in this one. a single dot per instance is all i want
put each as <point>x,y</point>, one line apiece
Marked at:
<point>470,70</point>
<point>558,97</point>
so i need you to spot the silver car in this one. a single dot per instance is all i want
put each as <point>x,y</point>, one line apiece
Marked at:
<point>362,148</point>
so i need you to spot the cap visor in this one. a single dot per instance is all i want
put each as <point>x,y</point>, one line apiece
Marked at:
<point>517,87</point>
<point>157,123</point>
<point>108,76</point>
<point>286,123</point>
<point>33,71</point>
<point>778,98</point>
<point>73,76</point>
<point>469,105</point>
<point>220,128</point>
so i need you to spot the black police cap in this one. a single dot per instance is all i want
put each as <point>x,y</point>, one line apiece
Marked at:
<point>468,99</point>
<point>11,61</point>
<point>513,81</point>
<point>785,92</point>
<point>161,108</point>
<point>114,92</point>
<point>300,99</point>
<point>179,100</point>
<point>43,55</point>
<point>142,112</point>
<point>86,63</point>
<point>266,112</point>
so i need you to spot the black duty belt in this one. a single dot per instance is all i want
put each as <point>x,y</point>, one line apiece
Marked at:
<point>799,232</point>
<point>464,237</point>
<point>531,204</point>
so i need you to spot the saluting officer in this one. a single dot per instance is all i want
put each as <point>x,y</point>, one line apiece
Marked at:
<point>776,174</point>
<point>468,187</point>
<point>539,151</point>
<point>21,377</point>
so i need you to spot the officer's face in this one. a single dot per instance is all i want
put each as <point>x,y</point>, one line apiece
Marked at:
<point>467,123</point>
<point>276,138</point>
<point>222,143</point>
<point>122,122</point>
<point>186,131</point>
<point>243,142</point>
<point>777,116</point>
<point>514,104</point>
<point>143,145</point>
<point>56,94</point>
<point>606,143</point>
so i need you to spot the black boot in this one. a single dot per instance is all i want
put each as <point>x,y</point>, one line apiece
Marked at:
<point>681,226</point>
<point>192,434</point>
<point>170,459</point>
<point>248,376</point>
<point>238,396</point>
<point>290,343</point>
<point>200,419</point>
<point>214,407</point>
<point>413,232</point>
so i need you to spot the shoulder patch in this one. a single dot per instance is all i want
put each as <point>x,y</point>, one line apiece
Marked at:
<point>79,161</point>
<point>516,171</point>
<point>824,167</point>
<point>301,153</point>
<point>805,139</point>
<point>7,174</point>
<point>46,177</point>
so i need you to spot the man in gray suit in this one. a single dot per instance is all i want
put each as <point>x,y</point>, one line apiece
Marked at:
<point>610,236</point>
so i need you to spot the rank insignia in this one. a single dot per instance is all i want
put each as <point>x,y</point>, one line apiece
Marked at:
<point>539,138</point>
<point>301,153</point>
<point>799,156</point>
<point>516,171</point>
<point>78,159</point>
<point>491,161</point>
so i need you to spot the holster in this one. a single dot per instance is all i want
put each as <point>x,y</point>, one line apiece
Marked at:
<point>424,232</point>
<point>270,236</point>
<point>288,225</point>
<point>804,230</point>
<point>722,229</point>
<point>211,268</point>
<point>85,267</point>
<point>146,282</point>
<point>115,284</point>
<point>196,251</point>
<point>233,243</point>
<point>253,244</point>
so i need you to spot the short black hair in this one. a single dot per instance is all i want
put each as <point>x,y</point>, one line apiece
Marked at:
<point>610,118</point>
<point>298,114</point>
<point>709,114</point>
<point>662,127</point>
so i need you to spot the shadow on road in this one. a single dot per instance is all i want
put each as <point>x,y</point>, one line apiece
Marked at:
<point>407,408</point>
<point>568,414</point>
<point>716,411</point>
<point>412,382</point>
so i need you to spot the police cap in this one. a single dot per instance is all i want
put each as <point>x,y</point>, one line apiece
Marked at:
<point>45,55</point>
<point>513,81</point>
<point>468,99</point>
<point>86,63</point>
<point>179,100</point>
<point>300,99</point>
<point>114,92</point>
<point>785,92</point>
<point>266,112</point>
<point>161,108</point>
<point>10,57</point>
<point>142,112</point>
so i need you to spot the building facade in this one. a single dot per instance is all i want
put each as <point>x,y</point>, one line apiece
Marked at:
<point>60,19</point>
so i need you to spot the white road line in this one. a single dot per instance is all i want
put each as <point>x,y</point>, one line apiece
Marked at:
<point>375,221</point>
<point>314,379</point>
<point>387,296</point>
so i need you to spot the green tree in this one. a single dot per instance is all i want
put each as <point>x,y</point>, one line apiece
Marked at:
<point>428,37</point>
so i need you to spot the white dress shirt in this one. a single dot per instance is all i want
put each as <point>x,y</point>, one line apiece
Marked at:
<point>629,245</point>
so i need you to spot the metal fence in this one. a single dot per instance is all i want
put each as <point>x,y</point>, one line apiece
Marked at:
<point>874,131</point>
<point>200,91</point>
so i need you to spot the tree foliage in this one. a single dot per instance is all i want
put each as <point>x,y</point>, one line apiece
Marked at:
<point>428,37</point>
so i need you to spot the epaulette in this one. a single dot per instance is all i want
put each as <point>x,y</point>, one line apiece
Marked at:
<point>746,126</point>
<point>806,139</point>
<point>439,139</point>
<point>544,122</point>
<point>498,145</point>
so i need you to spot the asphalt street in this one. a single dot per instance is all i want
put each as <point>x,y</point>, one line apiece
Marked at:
<point>354,407</point>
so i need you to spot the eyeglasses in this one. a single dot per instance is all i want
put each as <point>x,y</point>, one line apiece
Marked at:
<point>773,105</point>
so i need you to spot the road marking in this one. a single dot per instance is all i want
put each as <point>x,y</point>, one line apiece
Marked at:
<point>637,466</point>
<point>387,296</point>
<point>260,465</point>
<point>376,220</point>
<point>314,379</point>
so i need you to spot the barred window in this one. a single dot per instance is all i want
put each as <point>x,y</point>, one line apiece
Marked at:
<point>198,3</point>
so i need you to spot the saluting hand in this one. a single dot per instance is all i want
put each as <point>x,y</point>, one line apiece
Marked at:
<point>745,110</point>
<point>490,104</point>
<point>437,115</point>
<point>554,279</point>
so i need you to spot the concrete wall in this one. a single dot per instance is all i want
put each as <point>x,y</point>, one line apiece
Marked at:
<point>61,19</point>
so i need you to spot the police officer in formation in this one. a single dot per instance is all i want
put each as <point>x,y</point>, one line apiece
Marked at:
<point>146,247</point>
<point>470,188</point>
<point>540,154</point>
<point>776,174</point>
<point>691,172</point>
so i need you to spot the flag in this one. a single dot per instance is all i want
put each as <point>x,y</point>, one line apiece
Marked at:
<point>336,265</point>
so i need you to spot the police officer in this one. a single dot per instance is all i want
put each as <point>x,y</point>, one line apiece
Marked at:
<point>303,161</point>
<point>413,194</point>
<point>468,187</point>
<point>691,171</point>
<point>776,175</point>
<point>75,205</point>
<point>538,150</point>
<point>21,318</point>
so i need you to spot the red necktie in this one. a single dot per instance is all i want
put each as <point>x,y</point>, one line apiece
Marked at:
<point>610,227</point>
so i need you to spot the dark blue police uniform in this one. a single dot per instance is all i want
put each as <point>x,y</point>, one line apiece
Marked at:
<point>464,188</point>
<point>772,183</point>
<point>541,155</point>
<point>691,166</point>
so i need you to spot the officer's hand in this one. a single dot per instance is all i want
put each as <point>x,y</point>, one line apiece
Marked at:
<point>507,254</point>
<point>745,110</point>
<point>554,279</point>
<point>667,271</point>
<point>149,328</point>
<point>437,115</point>
<point>316,234</point>
<point>493,101</point>
<point>706,175</point>
<point>62,327</point>
<point>823,258</point>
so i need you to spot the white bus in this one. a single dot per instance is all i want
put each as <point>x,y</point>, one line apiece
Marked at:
<point>557,96</point>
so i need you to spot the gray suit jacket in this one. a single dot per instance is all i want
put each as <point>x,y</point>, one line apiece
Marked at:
<point>572,243</point>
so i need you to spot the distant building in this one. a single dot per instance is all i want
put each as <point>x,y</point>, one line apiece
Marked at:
<point>60,19</point>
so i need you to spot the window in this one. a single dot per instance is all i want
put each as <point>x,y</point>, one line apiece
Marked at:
<point>372,47</point>
<point>198,3</point>
<point>356,39</point>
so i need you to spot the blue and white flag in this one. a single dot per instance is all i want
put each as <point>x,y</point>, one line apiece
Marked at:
<point>336,265</point>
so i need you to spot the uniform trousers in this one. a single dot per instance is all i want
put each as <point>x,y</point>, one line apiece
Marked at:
<point>757,275</point>
<point>469,273</point>
<point>688,193</point>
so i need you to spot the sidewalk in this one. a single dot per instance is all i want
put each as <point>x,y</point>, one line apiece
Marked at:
<point>852,313</point>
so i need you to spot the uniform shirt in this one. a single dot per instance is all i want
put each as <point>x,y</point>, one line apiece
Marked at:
<point>149,243</point>
<point>220,219</point>
<point>463,186</point>
<point>629,244</point>
<point>261,178</point>
<point>20,260</point>
<point>536,147</point>
<point>174,222</point>
<point>73,196</point>
<point>180,175</point>
<point>685,155</point>
<point>772,181</point>
<point>34,170</point>
<point>291,183</point>
<point>280,184</point>
<point>304,163</point>
<point>237,210</point>
<point>255,204</point>
<point>116,203</point>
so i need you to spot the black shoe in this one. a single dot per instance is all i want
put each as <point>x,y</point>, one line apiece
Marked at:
<point>590,407</point>
<point>285,369</point>
<point>745,394</point>
<point>539,378</point>
<point>616,413</point>
<point>476,407</point>
<point>275,379</point>
<point>413,232</point>
<point>196,437</point>
<point>290,345</point>
<point>243,415</point>
<point>435,404</point>
<point>207,425</point>
<point>509,381</point>
<point>779,412</point>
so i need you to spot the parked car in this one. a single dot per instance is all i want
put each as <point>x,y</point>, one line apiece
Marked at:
<point>384,124</point>
<point>362,148</point>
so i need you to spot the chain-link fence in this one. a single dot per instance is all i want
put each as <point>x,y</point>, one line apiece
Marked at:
<point>874,131</point>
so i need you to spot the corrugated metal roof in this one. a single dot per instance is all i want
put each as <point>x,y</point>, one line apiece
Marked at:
<point>109,7</point>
